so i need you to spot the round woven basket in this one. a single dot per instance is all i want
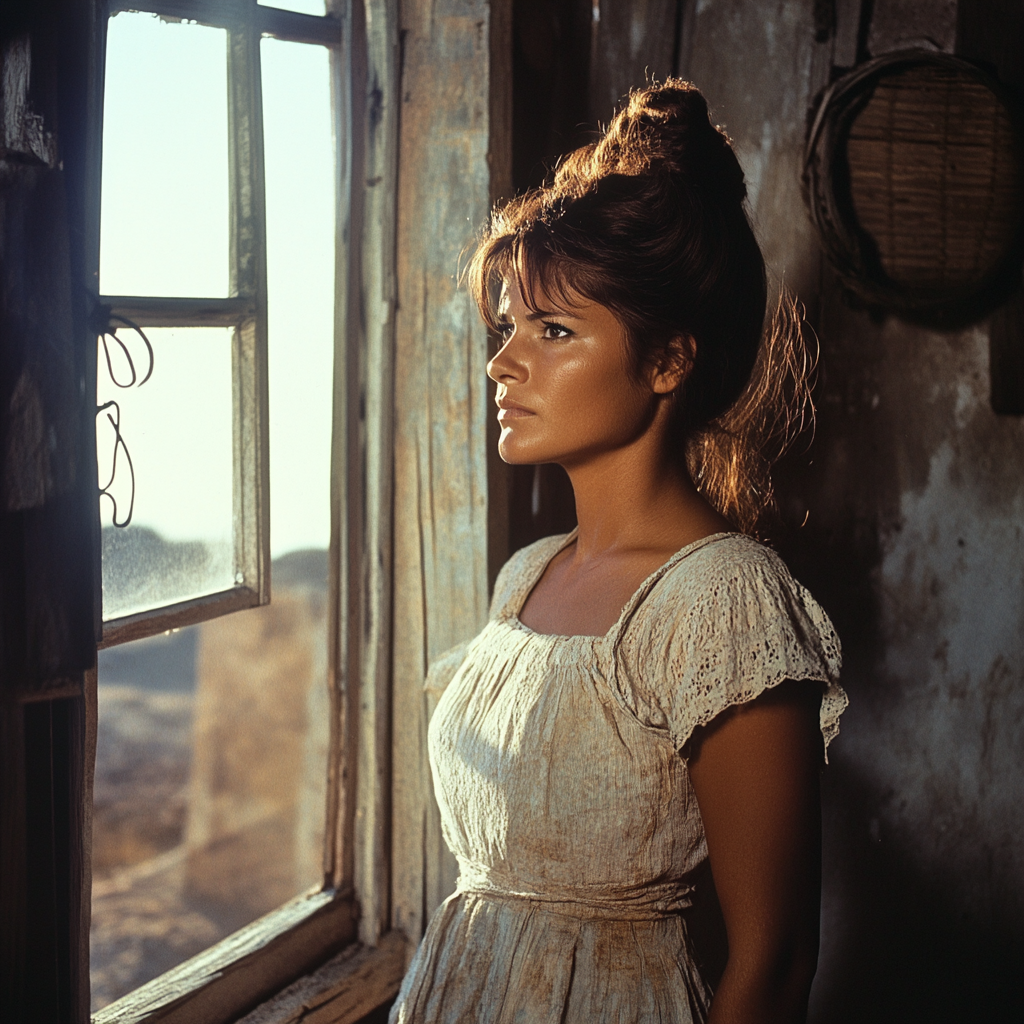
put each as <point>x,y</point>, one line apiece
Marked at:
<point>914,177</point>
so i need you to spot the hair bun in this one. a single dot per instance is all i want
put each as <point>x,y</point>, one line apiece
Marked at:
<point>661,129</point>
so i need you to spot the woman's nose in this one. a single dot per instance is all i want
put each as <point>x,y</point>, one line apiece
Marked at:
<point>505,367</point>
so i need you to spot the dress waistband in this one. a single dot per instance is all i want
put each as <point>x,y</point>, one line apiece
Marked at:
<point>611,902</point>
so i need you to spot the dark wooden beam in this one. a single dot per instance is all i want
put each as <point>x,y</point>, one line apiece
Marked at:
<point>551,72</point>
<point>632,43</point>
<point>233,14</point>
<point>43,870</point>
<point>989,32</point>
<point>174,312</point>
<point>48,585</point>
<point>1006,356</point>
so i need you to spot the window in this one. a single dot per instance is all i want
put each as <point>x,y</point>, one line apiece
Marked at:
<point>216,387</point>
<point>409,504</point>
<point>191,106</point>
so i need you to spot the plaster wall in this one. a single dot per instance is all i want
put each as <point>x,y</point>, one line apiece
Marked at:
<point>913,494</point>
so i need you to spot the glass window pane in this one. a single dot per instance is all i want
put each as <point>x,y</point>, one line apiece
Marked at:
<point>211,763</point>
<point>300,288</point>
<point>302,6</point>
<point>177,428</point>
<point>164,201</point>
<point>210,783</point>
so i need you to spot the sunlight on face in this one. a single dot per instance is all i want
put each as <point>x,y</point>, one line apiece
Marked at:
<point>567,391</point>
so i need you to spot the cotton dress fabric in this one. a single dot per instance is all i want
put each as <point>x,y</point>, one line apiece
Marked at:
<point>566,801</point>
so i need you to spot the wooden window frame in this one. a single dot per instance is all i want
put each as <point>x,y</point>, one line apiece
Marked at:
<point>245,310</point>
<point>346,917</point>
<point>411,192</point>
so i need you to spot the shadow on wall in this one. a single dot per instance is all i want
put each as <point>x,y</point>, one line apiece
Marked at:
<point>914,548</point>
<point>904,940</point>
<point>904,947</point>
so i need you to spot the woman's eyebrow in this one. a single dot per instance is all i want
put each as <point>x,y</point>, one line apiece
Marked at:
<point>543,314</point>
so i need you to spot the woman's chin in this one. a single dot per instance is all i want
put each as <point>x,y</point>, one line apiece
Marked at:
<point>516,454</point>
<point>513,458</point>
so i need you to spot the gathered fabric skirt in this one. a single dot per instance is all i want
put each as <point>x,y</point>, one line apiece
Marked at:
<point>499,960</point>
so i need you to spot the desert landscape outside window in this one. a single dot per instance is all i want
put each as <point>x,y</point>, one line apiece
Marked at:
<point>213,735</point>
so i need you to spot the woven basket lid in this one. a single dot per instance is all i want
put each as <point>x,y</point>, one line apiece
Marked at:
<point>914,177</point>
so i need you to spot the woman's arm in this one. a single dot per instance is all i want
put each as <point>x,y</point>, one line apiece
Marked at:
<point>755,770</point>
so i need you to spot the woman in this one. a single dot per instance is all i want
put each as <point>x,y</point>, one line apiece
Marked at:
<point>653,689</point>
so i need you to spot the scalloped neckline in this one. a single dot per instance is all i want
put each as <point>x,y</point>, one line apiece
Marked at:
<point>512,617</point>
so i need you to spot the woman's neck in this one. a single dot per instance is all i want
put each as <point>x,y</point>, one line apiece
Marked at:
<point>637,498</point>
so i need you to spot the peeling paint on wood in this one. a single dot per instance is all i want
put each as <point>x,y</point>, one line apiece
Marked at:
<point>25,136</point>
<point>441,409</point>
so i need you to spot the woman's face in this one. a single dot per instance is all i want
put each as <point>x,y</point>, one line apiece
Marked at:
<point>567,387</point>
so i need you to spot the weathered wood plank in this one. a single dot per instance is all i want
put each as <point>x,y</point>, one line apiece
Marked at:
<point>47,499</point>
<point>441,407</point>
<point>370,468</point>
<point>184,613</point>
<point>225,980</point>
<point>250,398</point>
<point>632,42</point>
<point>23,133</point>
<point>344,990</point>
<point>347,75</point>
<point>499,161</point>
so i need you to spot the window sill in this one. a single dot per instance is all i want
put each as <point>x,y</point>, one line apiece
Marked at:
<point>344,990</point>
<point>228,979</point>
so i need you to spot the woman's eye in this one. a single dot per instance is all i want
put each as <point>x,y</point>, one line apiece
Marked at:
<point>505,330</point>
<point>553,331</point>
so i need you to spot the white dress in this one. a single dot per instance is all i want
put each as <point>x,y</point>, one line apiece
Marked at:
<point>564,797</point>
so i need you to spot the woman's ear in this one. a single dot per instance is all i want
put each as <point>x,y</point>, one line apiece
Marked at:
<point>674,364</point>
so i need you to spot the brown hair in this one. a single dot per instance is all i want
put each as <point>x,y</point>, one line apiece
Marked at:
<point>650,222</point>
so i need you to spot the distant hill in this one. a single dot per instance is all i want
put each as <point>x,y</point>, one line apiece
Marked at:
<point>143,570</point>
<point>308,568</point>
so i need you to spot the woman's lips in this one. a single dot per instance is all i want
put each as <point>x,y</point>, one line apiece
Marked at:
<point>511,411</point>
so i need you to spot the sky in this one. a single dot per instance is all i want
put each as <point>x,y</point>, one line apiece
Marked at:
<point>164,231</point>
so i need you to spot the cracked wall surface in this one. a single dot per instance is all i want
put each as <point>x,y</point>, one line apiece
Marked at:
<point>913,494</point>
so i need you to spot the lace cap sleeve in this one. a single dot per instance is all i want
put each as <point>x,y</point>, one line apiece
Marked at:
<point>718,629</point>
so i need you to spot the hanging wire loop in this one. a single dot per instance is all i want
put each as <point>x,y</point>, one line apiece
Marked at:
<point>110,332</point>
<point>107,332</point>
<point>119,444</point>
